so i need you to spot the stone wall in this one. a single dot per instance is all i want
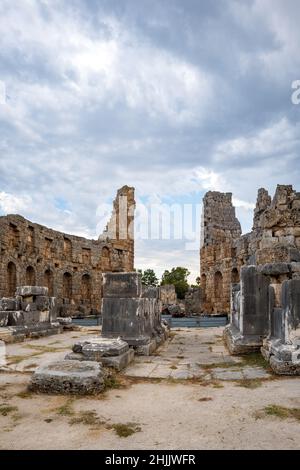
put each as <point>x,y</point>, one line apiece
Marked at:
<point>275,237</point>
<point>70,266</point>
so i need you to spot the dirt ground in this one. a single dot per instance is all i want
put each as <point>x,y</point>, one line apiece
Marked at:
<point>224,404</point>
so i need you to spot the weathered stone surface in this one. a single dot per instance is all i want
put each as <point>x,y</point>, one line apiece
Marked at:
<point>167,294</point>
<point>113,353</point>
<point>122,285</point>
<point>238,344</point>
<point>68,377</point>
<point>8,304</point>
<point>28,291</point>
<point>275,269</point>
<point>4,318</point>
<point>137,319</point>
<point>98,347</point>
<point>64,320</point>
<point>282,346</point>
<point>273,243</point>
<point>70,267</point>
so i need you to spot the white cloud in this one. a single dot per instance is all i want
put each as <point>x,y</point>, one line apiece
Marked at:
<point>11,204</point>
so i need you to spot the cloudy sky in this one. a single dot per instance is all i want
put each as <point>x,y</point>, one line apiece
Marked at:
<point>173,97</point>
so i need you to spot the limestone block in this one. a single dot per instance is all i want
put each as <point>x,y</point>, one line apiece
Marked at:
<point>8,304</point>
<point>68,377</point>
<point>295,267</point>
<point>27,291</point>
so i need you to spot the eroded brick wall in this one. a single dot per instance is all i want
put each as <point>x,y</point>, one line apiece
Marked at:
<point>70,266</point>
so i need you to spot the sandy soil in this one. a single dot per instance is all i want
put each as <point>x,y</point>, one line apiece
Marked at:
<point>167,414</point>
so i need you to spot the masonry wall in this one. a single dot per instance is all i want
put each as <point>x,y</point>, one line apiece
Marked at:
<point>275,237</point>
<point>70,266</point>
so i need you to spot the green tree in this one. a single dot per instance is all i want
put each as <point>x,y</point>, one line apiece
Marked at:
<point>178,277</point>
<point>149,277</point>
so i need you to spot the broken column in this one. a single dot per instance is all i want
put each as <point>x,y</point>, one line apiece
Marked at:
<point>249,317</point>
<point>131,312</point>
<point>31,313</point>
<point>282,346</point>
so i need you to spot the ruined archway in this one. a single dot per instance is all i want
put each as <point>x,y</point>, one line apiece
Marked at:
<point>67,286</point>
<point>218,290</point>
<point>86,291</point>
<point>30,276</point>
<point>48,281</point>
<point>11,279</point>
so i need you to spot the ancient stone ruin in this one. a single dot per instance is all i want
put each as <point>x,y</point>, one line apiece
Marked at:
<point>70,267</point>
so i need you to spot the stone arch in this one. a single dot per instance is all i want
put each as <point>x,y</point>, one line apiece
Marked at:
<point>86,287</point>
<point>218,286</point>
<point>67,285</point>
<point>203,286</point>
<point>235,277</point>
<point>30,276</point>
<point>48,281</point>
<point>11,279</point>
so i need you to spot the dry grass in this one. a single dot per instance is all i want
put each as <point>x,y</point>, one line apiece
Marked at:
<point>126,430</point>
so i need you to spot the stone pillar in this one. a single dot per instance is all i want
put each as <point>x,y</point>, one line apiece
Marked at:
<point>249,312</point>
<point>131,312</point>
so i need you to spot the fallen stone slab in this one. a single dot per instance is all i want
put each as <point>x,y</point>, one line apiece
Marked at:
<point>68,377</point>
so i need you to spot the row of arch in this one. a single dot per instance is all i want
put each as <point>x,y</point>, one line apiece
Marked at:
<point>218,283</point>
<point>30,280</point>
